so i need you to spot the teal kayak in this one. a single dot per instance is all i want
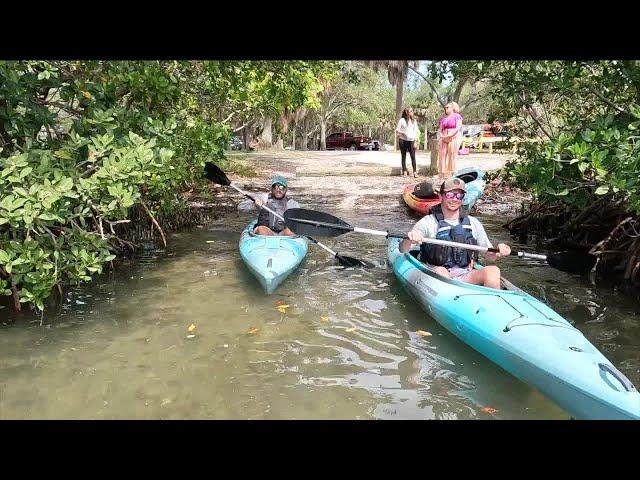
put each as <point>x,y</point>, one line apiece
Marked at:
<point>271,259</point>
<point>523,336</point>
<point>473,178</point>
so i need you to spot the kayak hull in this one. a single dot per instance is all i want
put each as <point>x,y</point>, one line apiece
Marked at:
<point>523,336</point>
<point>271,259</point>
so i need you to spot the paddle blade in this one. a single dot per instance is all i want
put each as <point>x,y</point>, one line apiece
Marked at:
<point>313,223</point>
<point>215,174</point>
<point>352,262</point>
<point>572,261</point>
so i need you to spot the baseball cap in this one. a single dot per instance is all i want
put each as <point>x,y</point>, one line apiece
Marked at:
<point>279,179</point>
<point>453,183</point>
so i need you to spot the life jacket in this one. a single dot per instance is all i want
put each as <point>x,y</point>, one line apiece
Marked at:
<point>450,257</point>
<point>279,206</point>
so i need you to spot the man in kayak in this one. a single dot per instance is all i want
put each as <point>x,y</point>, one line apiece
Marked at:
<point>447,222</point>
<point>276,200</point>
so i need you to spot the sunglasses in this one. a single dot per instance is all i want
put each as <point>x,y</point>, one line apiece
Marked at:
<point>277,186</point>
<point>452,195</point>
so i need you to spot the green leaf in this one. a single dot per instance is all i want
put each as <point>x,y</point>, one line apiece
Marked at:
<point>64,154</point>
<point>4,257</point>
<point>65,184</point>
<point>25,171</point>
<point>602,190</point>
<point>49,216</point>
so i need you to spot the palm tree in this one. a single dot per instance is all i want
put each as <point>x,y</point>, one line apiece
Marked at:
<point>397,74</point>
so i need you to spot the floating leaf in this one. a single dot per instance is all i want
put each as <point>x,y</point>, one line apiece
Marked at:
<point>422,333</point>
<point>192,327</point>
<point>211,241</point>
<point>253,330</point>
<point>350,329</point>
<point>282,308</point>
<point>489,410</point>
<point>191,336</point>
<point>324,319</point>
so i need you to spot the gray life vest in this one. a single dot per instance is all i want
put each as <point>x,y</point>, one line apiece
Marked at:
<point>280,206</point>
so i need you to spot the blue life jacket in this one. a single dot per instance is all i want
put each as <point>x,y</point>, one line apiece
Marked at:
<point>450,257</point>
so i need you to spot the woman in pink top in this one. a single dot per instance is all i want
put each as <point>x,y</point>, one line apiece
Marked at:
<point>450,133</point>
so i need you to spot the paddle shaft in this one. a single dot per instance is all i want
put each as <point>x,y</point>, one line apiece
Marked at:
<point>282,218</point>
<point>434,241</point>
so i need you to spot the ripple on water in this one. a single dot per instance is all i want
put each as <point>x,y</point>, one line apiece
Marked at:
<point>346,347</point>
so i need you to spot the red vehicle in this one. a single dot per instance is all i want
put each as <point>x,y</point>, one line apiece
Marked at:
<point>337,141</point>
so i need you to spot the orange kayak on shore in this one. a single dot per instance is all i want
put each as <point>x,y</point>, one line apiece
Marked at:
<point>473,178</point>
<point>420,205</point>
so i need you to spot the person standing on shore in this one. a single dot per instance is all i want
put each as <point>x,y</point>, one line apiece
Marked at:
<point>407,131</point>
<point>450,134</point>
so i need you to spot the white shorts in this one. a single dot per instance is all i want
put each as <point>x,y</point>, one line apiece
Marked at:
<point>457,273</point>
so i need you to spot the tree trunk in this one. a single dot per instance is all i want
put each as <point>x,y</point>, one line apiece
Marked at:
<point>399,94</point>
<point>266,135</point>
<point>426,137</point>
<point>458,90</point>
<point>293,138</point>
<point>245,137</point>
<point>433,147</point>
<point>323,131</point>
<point>305,134</point>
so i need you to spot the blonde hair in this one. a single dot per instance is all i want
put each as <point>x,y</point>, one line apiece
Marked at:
<point>454,105</point>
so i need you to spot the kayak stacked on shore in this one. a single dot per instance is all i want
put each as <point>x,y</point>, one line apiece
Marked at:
<point>473,177</point>
<point>271,258</point>
<point>422,197</point>
<point>523,336</point>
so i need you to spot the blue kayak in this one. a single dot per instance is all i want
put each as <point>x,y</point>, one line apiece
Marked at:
<point>525,337</point>
<point>473,178</point>
<point>271,258</point>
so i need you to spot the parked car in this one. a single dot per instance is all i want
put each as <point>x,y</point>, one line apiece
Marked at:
<point>235,143</point>
<point>347,140</point>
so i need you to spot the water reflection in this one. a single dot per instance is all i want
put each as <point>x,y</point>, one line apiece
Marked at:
<point>346,347</point>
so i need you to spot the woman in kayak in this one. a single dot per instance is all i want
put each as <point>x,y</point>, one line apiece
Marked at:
<point>447,222</point>
<point>276,200</point>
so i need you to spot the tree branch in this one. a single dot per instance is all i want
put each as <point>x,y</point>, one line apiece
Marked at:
<point>598,94</point>
<point>535,118</point>
<point>240,128</point>
<point>65,107</point>
<point>458,91</point>
<point>164,240</point>
<point>328,115</point>
<point>435,91</point>
<point>472,101</point>
<point>605,100</point>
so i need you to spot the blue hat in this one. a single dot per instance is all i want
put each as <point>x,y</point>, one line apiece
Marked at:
<point>279,179</point>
